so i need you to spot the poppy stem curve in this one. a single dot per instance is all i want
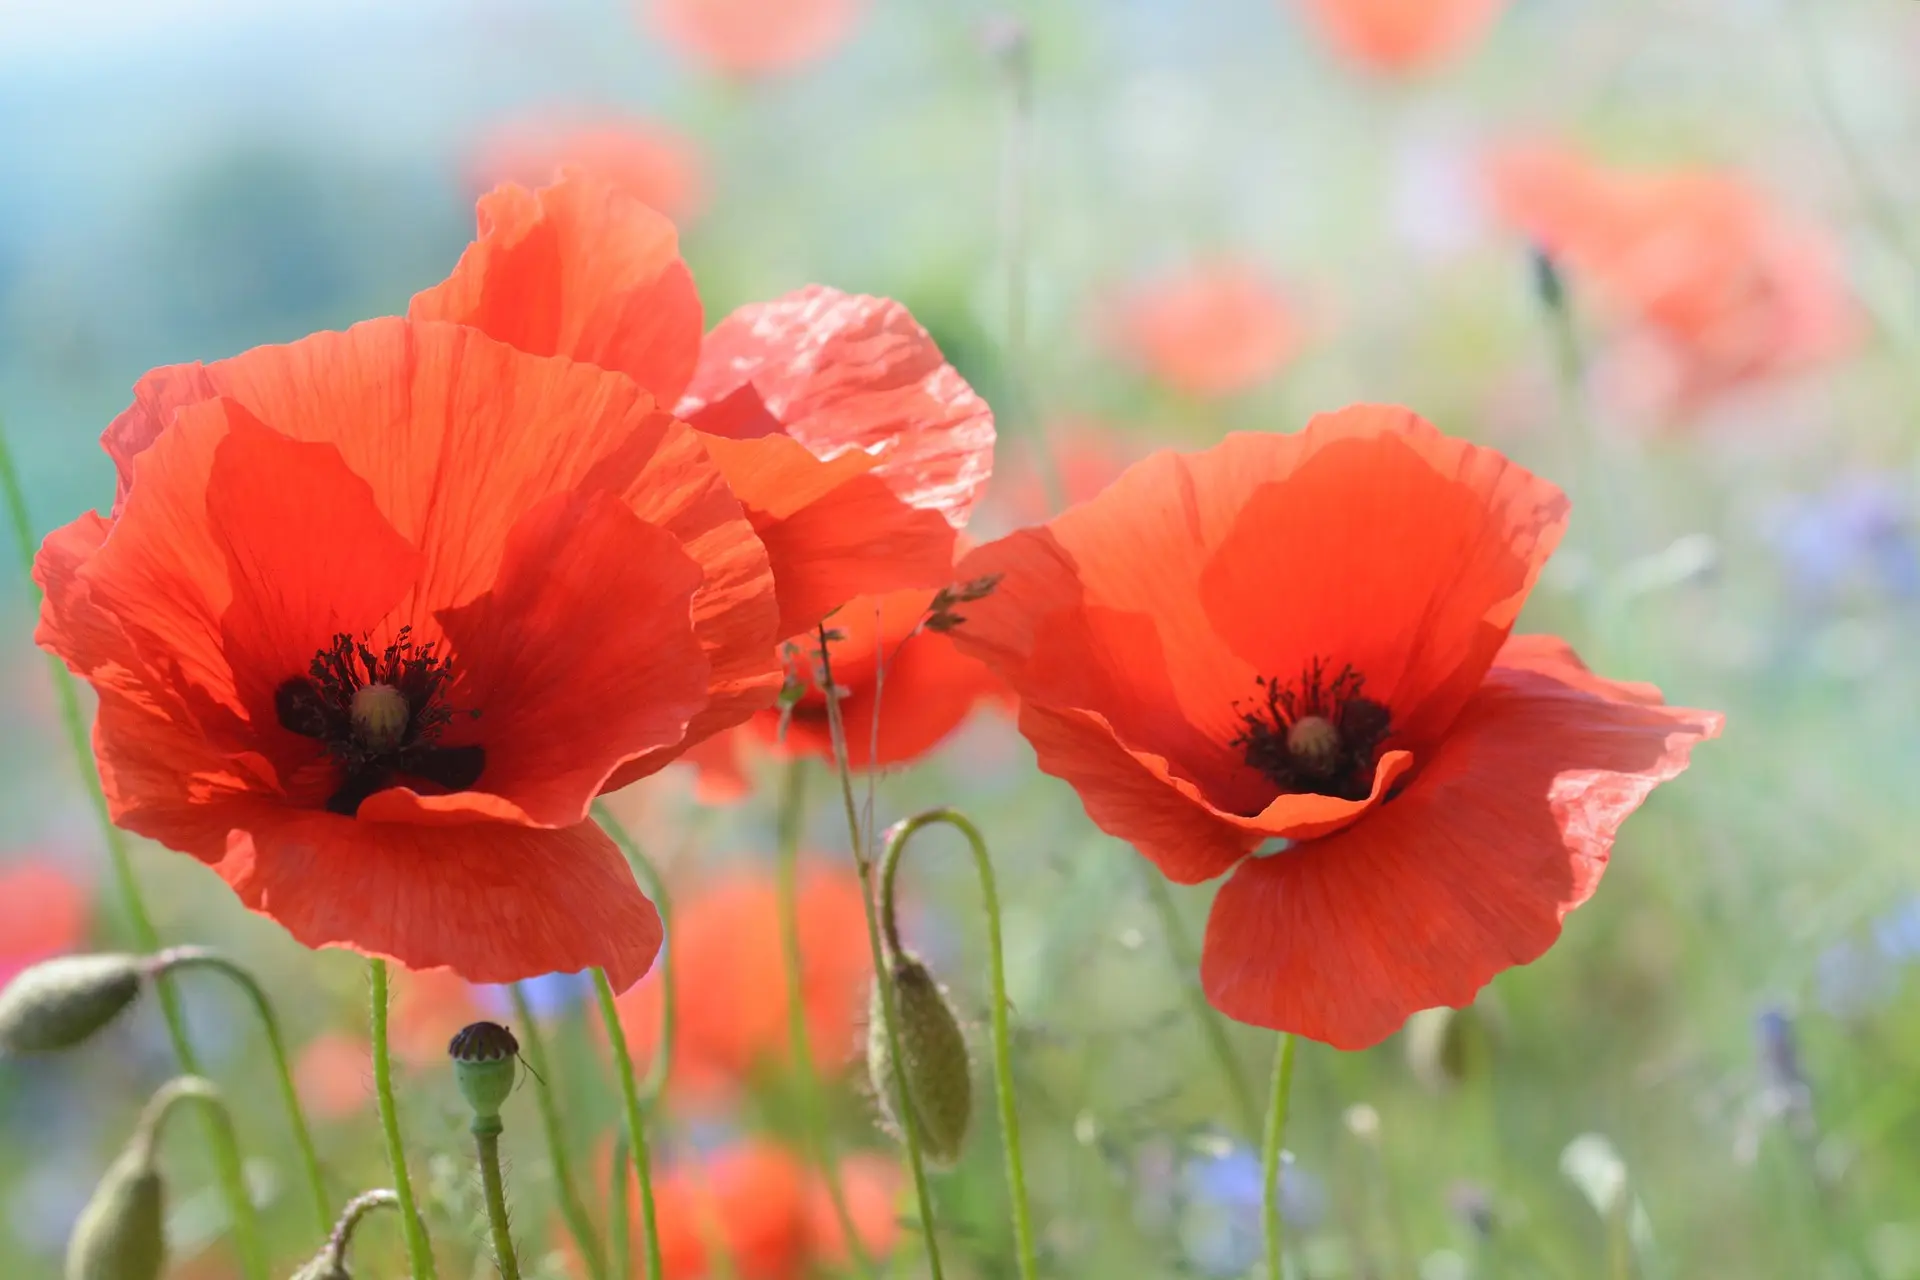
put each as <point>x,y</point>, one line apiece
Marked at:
<point>419,1249</point>
<point>207,958</point>
<point>1212,1024</point>
<point>228,1169</point>
<point>1271,1153</point>
<point>572,1208</point>
<point>787,828</point>
<point>889,1001</point>
<point>896,847</point>
<point>636,1119</point>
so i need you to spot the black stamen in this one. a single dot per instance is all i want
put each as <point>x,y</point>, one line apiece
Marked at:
<point>1360,723</point>
<point>455,768</point>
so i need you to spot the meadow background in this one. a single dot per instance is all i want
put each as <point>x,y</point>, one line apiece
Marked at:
<point>1735,1013</point>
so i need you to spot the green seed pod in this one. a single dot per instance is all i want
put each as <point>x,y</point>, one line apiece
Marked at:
<point>60,1003</point>
<point>118,1236</point>
<point>934,1063</point>
<point>486,1059</point>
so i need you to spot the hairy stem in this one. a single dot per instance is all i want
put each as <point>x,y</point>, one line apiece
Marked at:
<point>636,1121</point>
<point>897,841</point>
<point>486,1144</point>
<point>419,1250</point>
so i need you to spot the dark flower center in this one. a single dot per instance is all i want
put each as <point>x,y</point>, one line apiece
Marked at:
<point>1314,734</point>
<point>379,716</point>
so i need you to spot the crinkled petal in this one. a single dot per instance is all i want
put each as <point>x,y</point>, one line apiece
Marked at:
<point>1471,869</point>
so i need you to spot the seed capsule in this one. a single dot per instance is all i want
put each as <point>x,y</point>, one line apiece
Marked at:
<point>60,1003</point>
<point>485,1061</point>
<point>119,1235</point>
<point>934,1062</point>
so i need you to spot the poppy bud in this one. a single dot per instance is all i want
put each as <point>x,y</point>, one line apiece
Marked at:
<point>60,1003</point>
<point>485,1059</point>
<point>934,1066</point>
<point>1447,1047</point>
<point>119,1234</point>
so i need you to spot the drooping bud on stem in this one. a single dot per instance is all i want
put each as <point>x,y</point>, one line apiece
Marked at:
<point>120,1234</point>
<point>331,1262</point>
<point>63,1002</point>
<point>934,1070</point>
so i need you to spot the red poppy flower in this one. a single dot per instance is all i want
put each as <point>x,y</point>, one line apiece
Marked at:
<point>1214,329</point>
<point>349,624</point>
<point>1305,638</point>
<point>334,1074</point>
<point>1718,287</point>
<point>1402,35</point>
<point>43,913</point>
<point>765,1208</point>
<point>655,165</point>
<point>753,37</point>
<point>855,448</point>
<point>729,962</point>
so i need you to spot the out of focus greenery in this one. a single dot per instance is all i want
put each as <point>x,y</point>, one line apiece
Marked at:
<point>185,180</point>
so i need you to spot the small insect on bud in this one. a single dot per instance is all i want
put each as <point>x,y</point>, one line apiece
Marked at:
<point>380,715</point>
<point>119,1234</point>
<point>60,1003</point>
<point>485,1062</point>
<point>934,1065</point>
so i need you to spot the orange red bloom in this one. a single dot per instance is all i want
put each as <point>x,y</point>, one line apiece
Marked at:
<point>753,37</point>
<point>1306,638</point>
<point>1718,288</point>
<point>43,913</point>
<point>1216,328</point>
<point>350,624</point>
<point>731,975</point>
<point>1399,36</point>
<point>768,1211</point>
<point>855,448</point>
<point>643,158</point>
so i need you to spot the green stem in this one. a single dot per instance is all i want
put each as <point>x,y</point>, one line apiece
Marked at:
<point>1002,1047</point>
<point>486,1144</point>
<point>195,1089</point>
<point>619,1222</point>
<point>202,957</point>
<point>788,824</point>
<point>655,1081</point>
<point>226,1148</point>
<point>1270,1150</point>
<point>572,1208</point>
<point>1212,1025</point>
<point>636,1121</point>
<point>889,1003</point>
<point>419,1250</point>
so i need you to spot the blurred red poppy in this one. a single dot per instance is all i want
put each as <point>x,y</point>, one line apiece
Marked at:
<point>855,448</point>
<point>1086,456</point>
<point>731,973</point>
<point>660,168</point>
<point>1717,287</point>
<point>1305,638</point>
<point>1402,35</point>
<point>334,1074</point>
<point>753,37</point>
<point>43,913</point>
<point>429,1007</point>
<point>767,1211</point>
<point>350,637</point>
<point>1216,328</point>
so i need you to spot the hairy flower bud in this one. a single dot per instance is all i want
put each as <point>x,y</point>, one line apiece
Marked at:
<point>62,1002</point>
<point>933,1062</point>
<point>485,1061</point>
<point>119,1234</point>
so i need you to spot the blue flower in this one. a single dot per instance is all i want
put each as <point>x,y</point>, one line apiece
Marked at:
<point>1859,530</point>
<point>549,995</point>
<point>1220,1194</point>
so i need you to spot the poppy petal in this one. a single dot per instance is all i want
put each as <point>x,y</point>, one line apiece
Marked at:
<point>832,530</point>
<point>562,707</point>
<point>495,902</point>
<point>843,371</point>
<point>577,269</point>
<point>1468,871</point>
<point>1405,555</point>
